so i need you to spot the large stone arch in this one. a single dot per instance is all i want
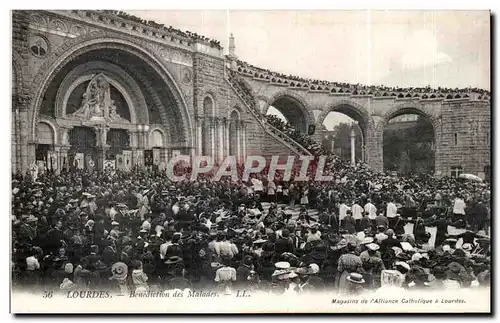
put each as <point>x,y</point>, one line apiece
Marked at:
<point>304,108</point>
<point>349,108</point>
<point>103,40</point>
<point>410,108</point>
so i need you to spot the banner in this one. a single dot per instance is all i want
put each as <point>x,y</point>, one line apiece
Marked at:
<point>156,156</point>
<point>41,166</point>
<point>120,162</point>
<point>110,165</point>
<point>148,158</point>
<point>53,164</point>
<point>78,162</point>
<point>127,160</point>
<point>140,158</point>
<point>89,162</point>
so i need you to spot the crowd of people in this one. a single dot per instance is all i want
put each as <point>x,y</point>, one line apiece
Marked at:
<point>298,136</point>
<point>356,88</point>
<point>184,34</point>
<point>137,231</point>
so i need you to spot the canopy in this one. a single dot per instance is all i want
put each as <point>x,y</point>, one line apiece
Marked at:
<point>471,177</point>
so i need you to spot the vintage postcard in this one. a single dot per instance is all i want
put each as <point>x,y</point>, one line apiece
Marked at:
<point>232,161</point>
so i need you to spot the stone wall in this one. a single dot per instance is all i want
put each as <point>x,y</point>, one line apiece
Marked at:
<point>470,123</point>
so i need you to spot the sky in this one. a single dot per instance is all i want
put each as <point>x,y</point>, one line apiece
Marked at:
<point>372,47</point>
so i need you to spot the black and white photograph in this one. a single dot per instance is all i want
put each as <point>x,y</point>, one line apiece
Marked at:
<point>250,161</point>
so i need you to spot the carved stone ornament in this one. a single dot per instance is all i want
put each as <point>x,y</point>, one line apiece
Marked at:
<point>23,100</point>
<point>96,103</point>
<point>39,46</point>
<point>187,76</point>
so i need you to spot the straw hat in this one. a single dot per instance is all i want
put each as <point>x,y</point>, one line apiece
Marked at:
<point>373,246</point>
<point>173,260</point>
<point>119,270</point>
<point>282,265</point>
<point>356,278</point>
<point>467,247</point>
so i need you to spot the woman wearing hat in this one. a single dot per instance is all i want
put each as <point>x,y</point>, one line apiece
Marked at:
<point>372,266</point>
<point>354,285</point>
<point>348,263</point>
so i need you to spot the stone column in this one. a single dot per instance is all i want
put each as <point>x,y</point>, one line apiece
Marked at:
<point>227,135</point>
<point>199,135</point>
<point>243,139</point>
<point>353,147</point>
<point>220,130</point>
<point>212,136</point>
<point>238,141</point>
<point>374,143</point>
<point>15,142</point>
<point>102,147</point>
<point>26,154</point>
<point>101,156</point>
<point>440,161</point>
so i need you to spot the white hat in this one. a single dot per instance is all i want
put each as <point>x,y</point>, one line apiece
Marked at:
<point>282,265</point>
<point>114,223</point>
<point>367,240</point>
<point>467,247</point>
<point>403,264</point>
<point>417,256</point>
<point>313,269</point>
<point>67,284</point>
<point>406,246</point>
<point>373,246</point>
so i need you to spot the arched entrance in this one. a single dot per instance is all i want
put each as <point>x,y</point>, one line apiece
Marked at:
<point>344,126</point>
<point>409,143</point>
<point>139,95</point>
<point>292,108</point>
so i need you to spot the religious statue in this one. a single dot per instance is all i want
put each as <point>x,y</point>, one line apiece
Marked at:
<point>96,99</point>
<point>97,102</point>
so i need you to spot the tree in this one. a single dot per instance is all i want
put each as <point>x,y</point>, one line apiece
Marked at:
<point>342,137</point>
<point>408,147</point>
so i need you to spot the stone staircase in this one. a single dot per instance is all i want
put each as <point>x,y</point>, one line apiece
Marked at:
<point>251,105</point>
